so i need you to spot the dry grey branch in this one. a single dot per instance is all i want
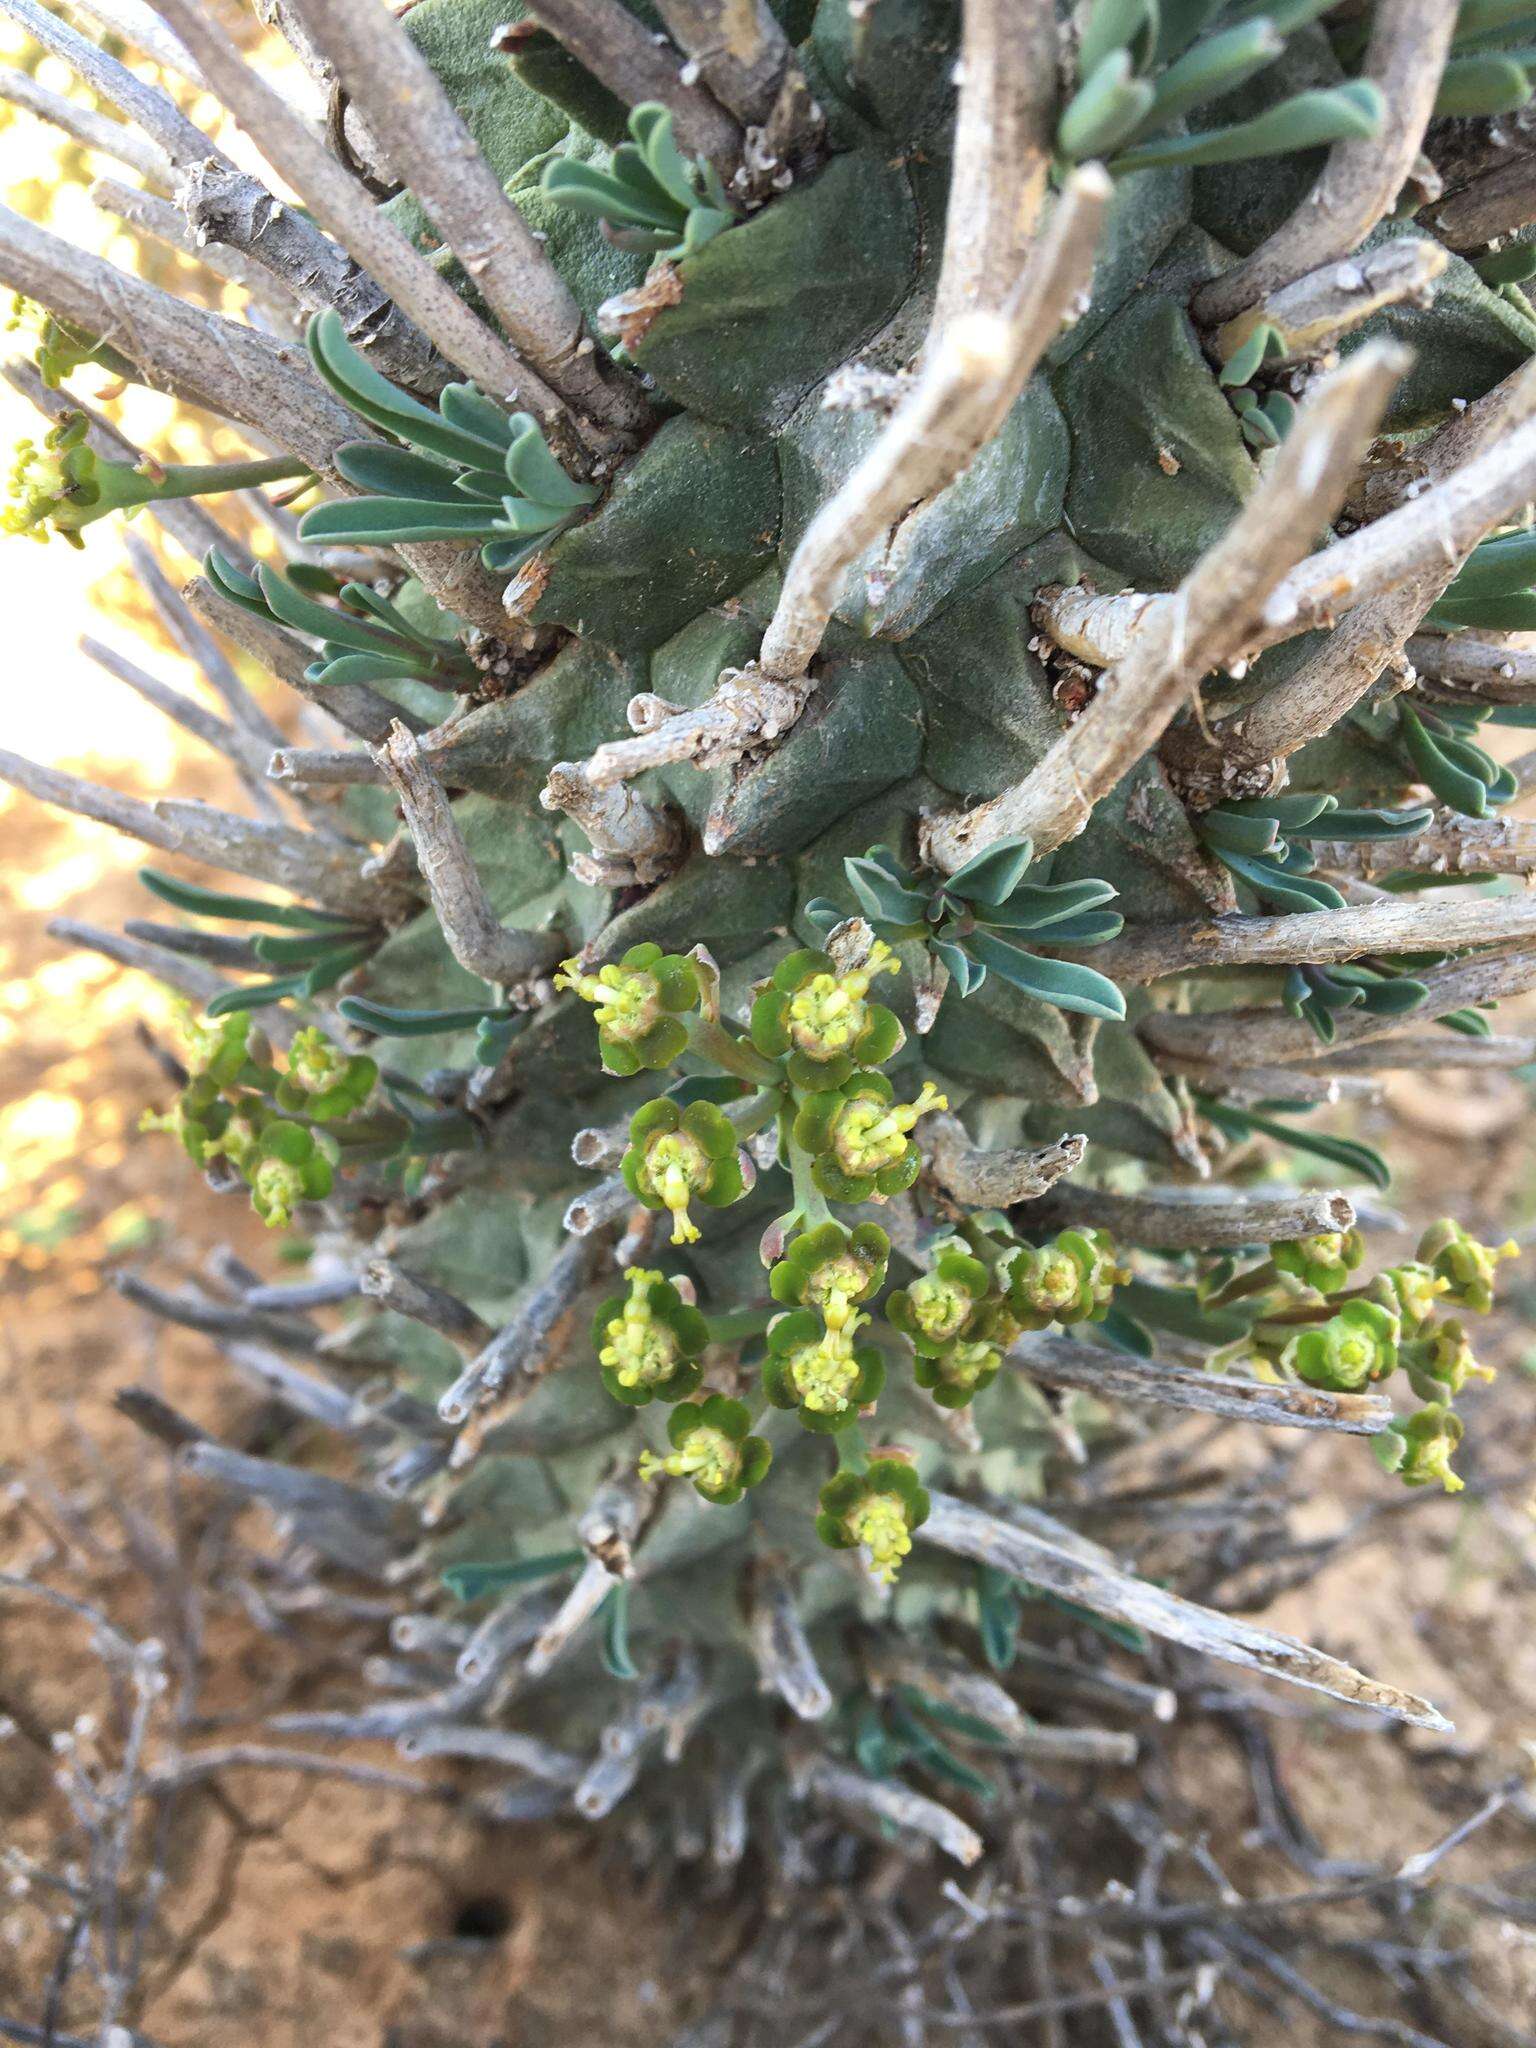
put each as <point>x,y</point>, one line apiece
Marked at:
<point>608,41</point>
<point>996,1180</point>
<point>116,139</point>
<point>1194,1219</point>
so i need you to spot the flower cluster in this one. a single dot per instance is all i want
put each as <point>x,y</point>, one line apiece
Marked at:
<point>54,485</point>
<point>640,1002</point>
<point>821,1018</point>
<point>270,1124</point>
<point>648,1341</point>
<point>713,1446</point>
<point>876,1510</point>
<point>858,1138</point>
<point>676,1156</point>
<point>1070,1280</point>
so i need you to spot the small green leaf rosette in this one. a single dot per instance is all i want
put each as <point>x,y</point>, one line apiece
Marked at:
<point>1323,1261</point>
<point>640,1001</point>
<point>287,1165</point>
<point>679,1155</point>
<point>323,1081</point>
<point>821,1373</point>
<point>821,1022</point>
<point>648,1341</point>
<point>859,1138</point>
<point>712,1445</point>
<point>1071,1280</point>
<point>831,1269</point>
<point>650,197</point>
<point>1466,1266</point>
<point>878,1510</point>
<point>1349,1351</point>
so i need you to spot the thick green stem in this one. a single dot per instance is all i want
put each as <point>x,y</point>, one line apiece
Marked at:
<point>809,1200</point>
<point>740,1323</point>
<point>711,1041</point>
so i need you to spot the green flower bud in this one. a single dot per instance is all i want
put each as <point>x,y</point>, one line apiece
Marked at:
<point>831,1269</point>
<point>1349,1351</point>
<point>824,1019</point>
<point>1442,1361</point>
<point>323,1081</point>
<point>675,1155</point>
<point>640,1002</point>
<point>1465,1265</point>
<point>1431,1435</point>
<point>648,1341</point>
<point>218,1049</point>
<point>287,1165</point>
<point>55,485</point>
<point>1410,1290</point>
<point>959,1373</point>
<point>859,1138</point>
<point>878,1510</point>
<point>711,1445</point>
<point>821,1372</point>
<point>1324,1261</point>
<point>1071,1280</point>
<point>940,1306</point>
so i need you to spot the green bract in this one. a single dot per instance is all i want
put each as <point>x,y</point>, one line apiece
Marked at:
<point>640,1003</point>
<point>467,472</point>
<point>831,1269</point>
<point>878,1510</point>
<point>1466,1266</point>
<point>979,918</point>
<point>1070,1280</point>
<point>651,197</point>
<point>712,1446</point>
<point>823,1019</point>
<point>648,1341</point>
<point>676,1156</point>
<point>935,1311</point>
<point>1349,1351</point>
<point>1324,1261</point>
<point>324,1081</point>
<point>286,1166</point>
<point>1431,1436</point>
<point>819,1371</point>
<point>858,1138</point>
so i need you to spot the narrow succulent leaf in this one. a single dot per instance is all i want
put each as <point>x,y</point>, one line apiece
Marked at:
<point>998,1615</point>
<point>1217,64</point>
<point>651,126</point>
<point>967,974</point>
<point>472,1581</point>
<point>371,395</point>
<point>1125,1333</point>
<point>615,1620</point>
<point>398,472</point>
<point>1105,111</point>
<point>1272,885</point>
<point>322,622</point>
<point>1481,86</point>
<point>880,895</point>
<point>1515,613</point>
<point>536,474</point>
<point>1241,367</point>
<point>992,877</point>
<point>1470,1023</point>
<point>1346,1152</point>
<point>1066,984</point>
<point>468,409</point>
<point>381,522</point>
<point>1354,824</point>
<point>255,995</point>
<point>386,1021</point>
<point>198,902</point>
<point>1309,120</point>
<point>1497,567</point>
<point>326,973</point>
<point>1236,833</point>
<point>1485,17</point>
<point>1040,907</point>
<point>1085,928</point>
<point>302,949</point>
<point>1290,813</point>
<point>233,583</point>
<point>1512,264</point>
<point>584,190</point>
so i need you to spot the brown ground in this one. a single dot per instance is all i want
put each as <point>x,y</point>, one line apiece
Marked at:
<point>308,1912</point>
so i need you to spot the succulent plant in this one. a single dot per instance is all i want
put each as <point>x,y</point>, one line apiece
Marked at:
<point>1109,523</point>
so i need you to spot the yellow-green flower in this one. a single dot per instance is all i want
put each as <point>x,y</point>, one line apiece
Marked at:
<point>859,1138</point>
<point>648,1341</point>
<point>711,1445</point>
<point>1323,1261</point>
<point>1465,1265</point>
<point>1070,1280</point>
<point>1351,1349</point>
<point>1431,1436</point>
<point>323,1080</point>
<point>821,1372</point>
<point>640,1001</point>
<point>822,1018</point>
<point>676,1156</point>
<point>877,1510</point>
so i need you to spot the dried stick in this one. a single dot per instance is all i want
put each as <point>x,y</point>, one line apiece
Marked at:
<point>190,976</point>
<point>1360,182</point>
<point>886,1800</point>
<point>1499,203</point>
<point>971,378</point>
<point>236,744</point>
<point>166,223</point>
<point>1216,607</point>
<point>744,58</point>
<point>218,1319</point>
<point>521,1349</point>
<point>188,633</point>
<point>607,40</point>
<point>1241,1038</point>
<point>1194,1219</point>
<point>354,706</point>
<point>196,1766</point>
<point>1443,1050</point>
<point>892,1660</point>
<point>1451,845</point>
<point>633,840</point>
<point>139,26</point>
<point>1398,925</point>
<point>317,870</point>
<point>1004,128</point>
<point>393,1288</point>
<point>1311,314</point>
<point>196,356</point>
<point>116,139</point>
<point>1115,1376</point>
<point>1254,1084</point>
<point>415,123</point>
<point>1489,669</point>
<point>967,1531</point>
<point>996,1180</point>
<point>785,1661</point>
<point>476,937</point>
<point>496,1746</point>
<point>340,204</point>
<point>234,208</point>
